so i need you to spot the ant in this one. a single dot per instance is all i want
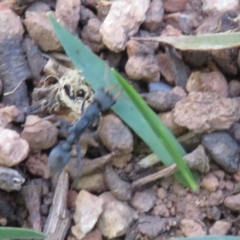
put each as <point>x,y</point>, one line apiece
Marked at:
<point>61,154</point>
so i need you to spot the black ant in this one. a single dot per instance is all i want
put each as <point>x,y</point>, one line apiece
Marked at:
<point>61,154</point>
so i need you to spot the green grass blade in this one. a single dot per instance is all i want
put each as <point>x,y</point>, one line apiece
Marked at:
<point>162,132</point>
<point>98,74</point>
<point>20,233</point>
<point>203,42</point>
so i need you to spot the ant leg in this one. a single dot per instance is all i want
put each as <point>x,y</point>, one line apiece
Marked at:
<point>79,158</point>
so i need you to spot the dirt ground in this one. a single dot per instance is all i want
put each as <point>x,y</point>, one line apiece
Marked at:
<point>122,191</point>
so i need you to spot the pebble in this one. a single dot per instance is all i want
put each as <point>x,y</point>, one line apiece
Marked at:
<point>151,226</point>
<point>132,16</point>
<point>174,5</point>
<point>235,130</point>
<point>116,218</point>
<point>103,8</point>
<point>233,202</point>
<point>161,210</point>
<point>41,30</point>
<point>91,36</point>
<point>121,161</point>
<point>214,213</point>
<point>115,135</point>
<point>16,149</point>
<point>210,7</point>
<point>45,131</point>
<point>154,16</point>
<point>161,193</point>
<point>220,228</point>
<point>215,198</point>
<point>154,86</point>
<point>208,82</point>
<point>168,120</point>
<point>206,111</point>
<point>144,201</point>
<point>88,210</point>
<point>7,115</point>
<point>191,228</point>
<point>223,149</point>
<point>210,183</point>
<point>93,235</point>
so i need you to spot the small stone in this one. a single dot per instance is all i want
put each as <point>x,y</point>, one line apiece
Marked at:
<point>85,15</point>
<point>219,174</point>
<point>38,7</point>
<point>191,228</point>
<point>220,228</point>
<point>206,111</point>
<point>229,185</point>
<point>161,193</point>
<point>91,35</point>
<point>151,226</point>
<point>213,213</point>
<point>169,30</point>
<point>233,202</point>
<point>88,210</point>
<point>154,16</point>
<point>45,131</point>
<point>94,182</point>
<point>7,115</point>
<point>210,7</point>
<point>13,148</point>
<point>121,161</point>
<point>68,13</point>
<point>116,219</point>
<point>144,201</point>
<point>210,183</point>
<point>161,210</point>
<point>165,67</point>
<point>103,8</point>
<point>41,30</point>
<point>71,198</point>
<point>115,135</point>
<point>235,130</point>
<point>94,235</point>
<point>208,82</point>
<point>179,190</point>
<point>174,6</point>
<point>132,16</point>
<point>215,198</point>
<point>223,149</point>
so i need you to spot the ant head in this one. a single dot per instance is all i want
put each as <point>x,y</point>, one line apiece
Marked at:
<point>104,98</point>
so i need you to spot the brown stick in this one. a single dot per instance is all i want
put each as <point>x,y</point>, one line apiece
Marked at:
<point>197,160</point>
<point>59,219</point>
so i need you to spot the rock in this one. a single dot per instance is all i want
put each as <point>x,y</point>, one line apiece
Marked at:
<point>234,88</point>
<point>210,183</point>
<point>210,7</point>
<point>132,16</point>
<point>71,199</point>
<point>116,218</point>
<point>151,226</point>
<point>68,13</point>
<point>119,188</point>
<point>220,228</point>
<point>174,6</point>
<point>144,201</point>
<point>208,82</point>
<point>45,131</point>
<point>223,149</point>
<point>88,210</point>
<point>7,115</point>
<point>215,198</point>
<point>94,235</point>
<point>232,202</point>
<point>205,111</point>
<point>179,190</point>
<point>186,22</point>
<point>191,228</point>
<point>169,30</point>
<point>190,140</point>
<point>161,210</point>
<point>226,60</point>
<point>91,35</point>
<point>154,16</point>
<point>16,149</point>
<point>165,67</point>
<point>41,30</point>
<point>153,45</point>
<point>103,8</point>
<point>161,100</point>
<point>214,213</point>
<point>36,61</point>
<point>37,165</point>
<point>159,86</point>
<point>85,15</point>
<point>161,193</point>
<point>142,63</point>
<point>115,135</point>
<point>94,182</point>
<point>38,7</point>
<point>168,120</point>
<point>121,161</point>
